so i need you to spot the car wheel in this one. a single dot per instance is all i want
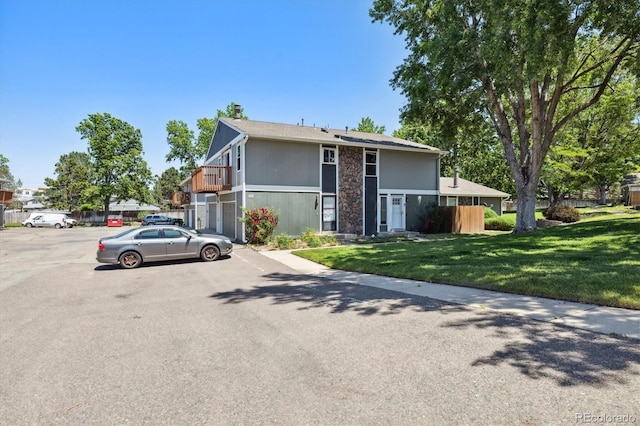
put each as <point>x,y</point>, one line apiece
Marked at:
<point>58,226</point>
<point>130,260</point>
<point>210,253</point>
<point>29,225</point>
<point>150,223</point>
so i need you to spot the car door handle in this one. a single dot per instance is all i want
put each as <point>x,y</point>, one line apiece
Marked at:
<point>170,242</point>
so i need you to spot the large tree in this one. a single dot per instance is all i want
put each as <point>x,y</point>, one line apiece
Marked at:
<point>367,125</point>
<point>9,183</point>
<point>190,149</point>
<point>65,192</point>
<point>119,171</point>
<point>475,149</point>
<point>166,184</point>
<point>514,60</point>
<point>598,147</point>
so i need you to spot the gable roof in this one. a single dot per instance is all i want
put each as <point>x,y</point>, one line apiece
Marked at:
<point>268,130</point>
<point>467,188</point>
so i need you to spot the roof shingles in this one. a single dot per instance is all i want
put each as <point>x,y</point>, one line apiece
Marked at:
<point>321,134</point>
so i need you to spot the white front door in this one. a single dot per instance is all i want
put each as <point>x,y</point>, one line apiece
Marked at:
<point>397,212</point>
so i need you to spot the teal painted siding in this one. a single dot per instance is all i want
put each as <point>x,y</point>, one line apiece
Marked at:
<point>296,211</point>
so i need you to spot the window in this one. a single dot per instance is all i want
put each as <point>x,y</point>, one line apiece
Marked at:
<point>148,234</point>
<point>383,213</point>
<point>329,156</point>
<point>238,157</point>
<point>172,233</point>
<point>371,162</point>
<point>329,213</point>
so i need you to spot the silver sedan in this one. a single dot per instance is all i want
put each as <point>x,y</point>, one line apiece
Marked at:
<point>166,242</point>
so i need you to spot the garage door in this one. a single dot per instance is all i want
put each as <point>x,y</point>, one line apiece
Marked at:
<point>212,216</point>
<point>229,220</point>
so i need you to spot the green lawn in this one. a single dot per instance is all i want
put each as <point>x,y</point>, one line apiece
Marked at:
<point>596,260</point>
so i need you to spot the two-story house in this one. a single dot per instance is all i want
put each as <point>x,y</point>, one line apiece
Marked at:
<point>324,179</point>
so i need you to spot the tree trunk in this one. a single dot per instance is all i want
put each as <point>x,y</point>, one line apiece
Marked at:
<point>554,196</point>
<point>526,209</point>
<point>106,210</point>
<point>603,194</point>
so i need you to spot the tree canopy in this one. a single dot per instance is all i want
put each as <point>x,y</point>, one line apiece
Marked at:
<point>514,62</point>
<point>118,169</point>
<point>5,173</point>
<point>166,184</point>
<point>67,190</point>
<point>367,125</point>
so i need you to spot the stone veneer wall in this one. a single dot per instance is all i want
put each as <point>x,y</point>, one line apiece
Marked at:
<point>350,187</point>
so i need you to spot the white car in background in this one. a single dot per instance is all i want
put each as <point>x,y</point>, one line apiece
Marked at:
<point>55,220</point>
<point>71,222</point>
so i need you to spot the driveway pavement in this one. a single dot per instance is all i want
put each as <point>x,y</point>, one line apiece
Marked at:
<point>248,340</point>
<point>601,319</point>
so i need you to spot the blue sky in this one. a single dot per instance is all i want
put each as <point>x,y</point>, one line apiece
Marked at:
<point>151,61</point>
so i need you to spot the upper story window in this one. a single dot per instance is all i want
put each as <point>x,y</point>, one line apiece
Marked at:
<point>329,155</point>
<point>371,163</point>
<point>238,157</point>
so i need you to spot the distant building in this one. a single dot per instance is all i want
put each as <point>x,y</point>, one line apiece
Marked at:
<point>26,194</point>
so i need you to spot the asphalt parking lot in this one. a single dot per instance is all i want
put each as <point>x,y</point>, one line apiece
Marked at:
<point>246,340</point>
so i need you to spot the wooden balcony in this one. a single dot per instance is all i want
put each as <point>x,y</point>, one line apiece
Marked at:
<point>180,198</point>
<point>211,179</point>
<point>6,197</point>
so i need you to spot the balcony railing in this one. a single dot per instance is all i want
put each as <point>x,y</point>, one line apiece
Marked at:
<point>211,179</point>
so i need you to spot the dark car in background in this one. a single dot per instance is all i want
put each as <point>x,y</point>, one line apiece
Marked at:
<point>135,246</point>
<point>159,219</point>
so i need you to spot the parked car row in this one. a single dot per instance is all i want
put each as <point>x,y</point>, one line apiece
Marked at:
<point>61,220</point>
<point>158,219</point>
<point>55,220</point>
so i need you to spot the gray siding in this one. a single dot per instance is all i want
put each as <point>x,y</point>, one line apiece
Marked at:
<point>223,135</point>
<point>239,225</point>
<point>229,220</point>
<point>230,196</point>
<point>212,216</point>
<point>296,211</point>
<point>408,170</point>
<point>282,163</point>
<point>494,202</point>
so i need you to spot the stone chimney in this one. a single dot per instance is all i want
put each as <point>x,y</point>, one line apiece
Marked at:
<point>238,111</point>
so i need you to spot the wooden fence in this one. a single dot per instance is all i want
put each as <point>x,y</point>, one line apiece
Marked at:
<point>510,206</point>
<point>463,219</point>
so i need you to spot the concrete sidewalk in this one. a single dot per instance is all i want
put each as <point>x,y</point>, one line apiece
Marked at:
<point>601,319</point>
